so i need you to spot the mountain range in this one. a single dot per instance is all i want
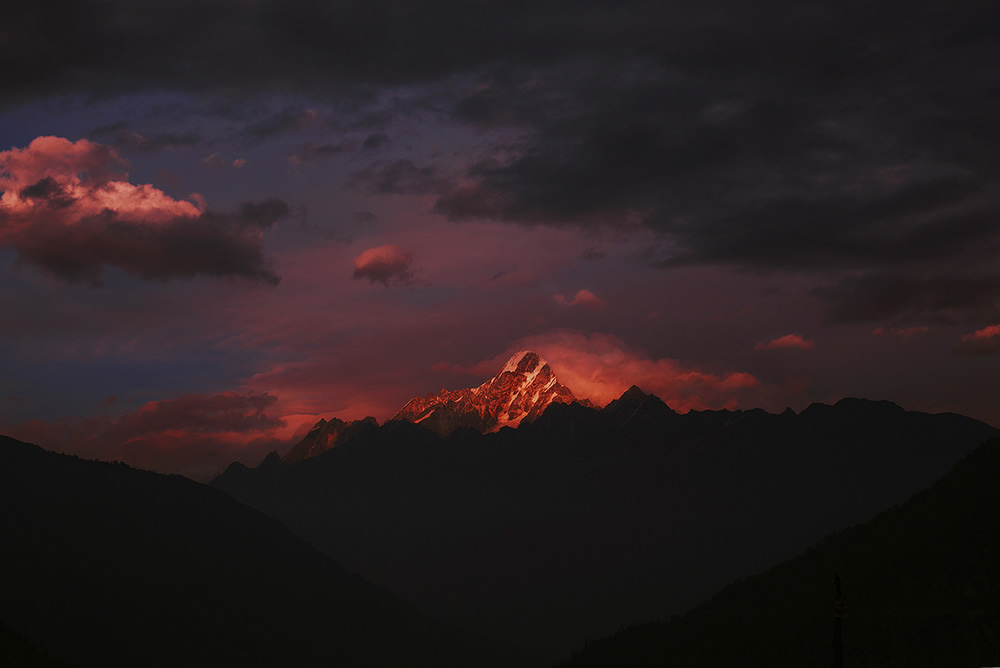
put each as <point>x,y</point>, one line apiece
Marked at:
<point>520,392</point>
<point>517,544</point>
<point>104,565</point>
<point>921,583</point>
<point>582,520</point>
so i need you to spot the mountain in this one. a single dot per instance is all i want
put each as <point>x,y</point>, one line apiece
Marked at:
<point>104,565</point>
<point>521,392</point>
<point>922,582</point>
<point>17,650</point>
<point>325,435</point>
<point>583,520</point>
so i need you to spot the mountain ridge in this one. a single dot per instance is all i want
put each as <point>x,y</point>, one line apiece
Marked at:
<point>520,392</point>
<point>922,580</point>
<point>587,519</point>
<point>106,565</point>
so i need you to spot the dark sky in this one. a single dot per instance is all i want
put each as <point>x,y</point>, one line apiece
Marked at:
<point>221,221</point>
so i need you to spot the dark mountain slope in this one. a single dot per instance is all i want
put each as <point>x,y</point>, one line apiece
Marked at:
<point>18,651</point>
<point>584,520</point>
<point>922,581</point>
<point>109,566</point>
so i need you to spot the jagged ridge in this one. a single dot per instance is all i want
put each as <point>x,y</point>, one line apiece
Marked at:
<point>325,435</point>
<point>521,392</point>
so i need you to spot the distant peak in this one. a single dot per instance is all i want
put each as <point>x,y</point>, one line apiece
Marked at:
<point>520,392</point>
<point>634,393</point>
<point>523,361</point>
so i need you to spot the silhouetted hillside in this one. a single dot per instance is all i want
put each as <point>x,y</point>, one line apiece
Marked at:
<point>18,651</point>
<point>922,582</point>
<point>109,566</point>
<point>584,520</point>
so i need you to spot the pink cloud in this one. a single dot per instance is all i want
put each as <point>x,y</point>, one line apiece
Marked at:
<point>69,208</point>
<point>786,341</point>
<point>600,367</point>
<point>900,332</point>
<point>582,298</point>
<point>195,435</point>
<point>985,341</point>
<point>388,265</point>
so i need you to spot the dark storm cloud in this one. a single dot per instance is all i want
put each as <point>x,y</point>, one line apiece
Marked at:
<point>881,296</point>
<point>287,120</point>
<point>268,47</point>
<point>311,151</point>
<point>211,244</point>
<point>818,137</point>
<point>375,141</point>
<point>128,139</point>
<point>69,208</point>
<point>400,177</point>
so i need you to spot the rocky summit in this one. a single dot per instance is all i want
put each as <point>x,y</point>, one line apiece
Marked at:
<point>523,389</point>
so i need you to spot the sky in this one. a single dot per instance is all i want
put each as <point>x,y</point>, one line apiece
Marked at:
<point>223,221</point>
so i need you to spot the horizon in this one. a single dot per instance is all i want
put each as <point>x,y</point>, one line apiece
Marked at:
<point>218,227</point>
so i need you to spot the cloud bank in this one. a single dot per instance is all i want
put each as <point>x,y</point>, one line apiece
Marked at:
<point>68,208</point>
<point>195,435</point>
<point>600,367</point>
<point>785,342</point>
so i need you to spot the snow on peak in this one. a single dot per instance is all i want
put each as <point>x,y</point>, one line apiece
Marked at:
<point>519,393</point>
<point>515,361</point>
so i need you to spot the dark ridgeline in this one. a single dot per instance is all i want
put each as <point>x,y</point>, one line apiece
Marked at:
<point>325,435</point>
<point>585,520</point>
<point>104,565</point>
<point>924,581</point>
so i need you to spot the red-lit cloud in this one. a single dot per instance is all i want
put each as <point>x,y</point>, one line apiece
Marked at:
<point>196,435</point>
<point>600,367</point>
<point>786,341</point>
<point>69,208</point>
<point>216,161</point>
<point>388,265</point>
<point>582,298</point>
<point>900,332</point>
<point>985,341</point>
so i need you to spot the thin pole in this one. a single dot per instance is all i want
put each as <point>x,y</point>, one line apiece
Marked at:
<point>839,613</point>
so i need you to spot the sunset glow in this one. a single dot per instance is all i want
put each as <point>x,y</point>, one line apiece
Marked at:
<point>249,228</point>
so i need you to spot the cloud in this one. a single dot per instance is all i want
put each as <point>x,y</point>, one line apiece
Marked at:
<point>985,341</point>
<point>311,151</point>
<point>900,332</point>
<point>582,298</point>
<point>375,141</point>
<point>196,435</point>
<point>388,265</point>
<point>216,161</point>
<point>880,295</point>
<point>127,139</point>
<point>288,120</point>
<point>68,208</point>
<point>742,136</point>
<point>785,342</point>
<point>401,177</point>
<point>601,367</point>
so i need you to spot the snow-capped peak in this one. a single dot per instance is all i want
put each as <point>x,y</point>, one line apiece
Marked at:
<point>515,360</point>
<point>520,392</point>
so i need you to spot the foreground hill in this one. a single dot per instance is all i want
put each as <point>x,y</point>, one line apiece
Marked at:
<point>20,652</point>
<point>922,581</point>
<point>108,566</point>
<point>584,520</point>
